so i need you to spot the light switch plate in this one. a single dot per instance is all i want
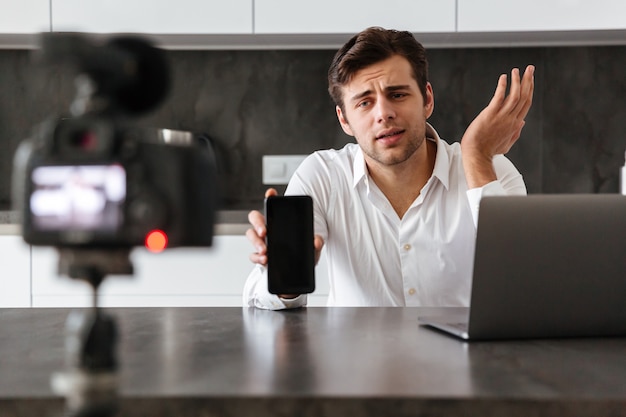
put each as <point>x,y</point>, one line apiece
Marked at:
<point>278,169</point>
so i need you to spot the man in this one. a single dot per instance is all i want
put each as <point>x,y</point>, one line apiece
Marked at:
<point>397,211</point>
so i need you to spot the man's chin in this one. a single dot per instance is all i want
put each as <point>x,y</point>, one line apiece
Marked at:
<point>392,159</point>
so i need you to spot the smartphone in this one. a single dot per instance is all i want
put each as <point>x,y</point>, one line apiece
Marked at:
<point>290,249</point>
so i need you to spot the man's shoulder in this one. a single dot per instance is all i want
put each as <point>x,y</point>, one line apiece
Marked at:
<point>343,157</point>
<point>325,170</point>
<point>348,151</point>
<point>450,147</point>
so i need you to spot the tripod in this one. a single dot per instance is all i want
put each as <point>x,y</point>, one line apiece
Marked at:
<point>90,381</point>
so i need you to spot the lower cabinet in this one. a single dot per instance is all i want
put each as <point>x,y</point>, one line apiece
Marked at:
<point>15,282</point>
<point>182,277</point>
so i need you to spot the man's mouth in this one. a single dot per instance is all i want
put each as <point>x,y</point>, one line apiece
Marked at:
<point>389,134</point>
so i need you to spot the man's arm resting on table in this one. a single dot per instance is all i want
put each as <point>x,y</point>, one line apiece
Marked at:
<point>256,294</point>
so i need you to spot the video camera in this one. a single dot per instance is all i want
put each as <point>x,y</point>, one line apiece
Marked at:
<point>94,185</point>
<point>93,180</point>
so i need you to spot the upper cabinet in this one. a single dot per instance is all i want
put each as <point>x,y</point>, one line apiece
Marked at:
<point>352,16</point>
<point>24,16</point>
<point>540,15</point>
<point>153,16</point>
<point>321,24</point>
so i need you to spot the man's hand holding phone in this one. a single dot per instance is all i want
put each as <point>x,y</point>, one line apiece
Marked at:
<point>285,233</point>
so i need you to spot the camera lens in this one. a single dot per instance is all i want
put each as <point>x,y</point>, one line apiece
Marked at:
<point>85,140</point>
<point>85,137</point>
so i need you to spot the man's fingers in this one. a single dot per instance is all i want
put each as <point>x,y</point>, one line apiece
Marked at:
<point>318,243</point>
<point>528,87</point>
<point>498,96</point>
<point>259,256</point>
<point>270,192</point>
<point>512,100</point>
<point>258,243</point>
<point>258,259</point>
<point>256,234</point>
<point>257,220</point>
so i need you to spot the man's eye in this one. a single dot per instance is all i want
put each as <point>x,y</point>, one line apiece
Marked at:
<point>363,104</point>
<point>398,95</point>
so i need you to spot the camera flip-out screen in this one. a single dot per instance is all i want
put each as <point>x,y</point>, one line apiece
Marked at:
<point>83,197</point>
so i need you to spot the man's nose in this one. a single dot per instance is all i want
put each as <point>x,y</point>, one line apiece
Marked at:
<point>384,110</point>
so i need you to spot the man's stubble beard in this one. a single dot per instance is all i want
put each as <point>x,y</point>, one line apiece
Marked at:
<point>412,147</point>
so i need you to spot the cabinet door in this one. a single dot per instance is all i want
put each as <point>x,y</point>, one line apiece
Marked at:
<point>351,16</point>
<point>49,289</point>
<point>187,276</point>
<point>176,277</point>
<point>153,16</point>
<point>24,16</point>
<point>15,276</point>
<point>540,15</point>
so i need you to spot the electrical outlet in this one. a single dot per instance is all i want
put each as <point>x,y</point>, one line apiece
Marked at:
<point>278,169</point>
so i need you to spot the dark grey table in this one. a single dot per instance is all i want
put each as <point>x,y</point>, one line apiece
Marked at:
<point>344,362</point>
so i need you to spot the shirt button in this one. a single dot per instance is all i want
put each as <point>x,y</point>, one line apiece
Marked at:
<point>411,291</point>
<point>407,247</point>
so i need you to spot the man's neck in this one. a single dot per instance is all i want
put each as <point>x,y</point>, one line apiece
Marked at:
<point>402,183</point>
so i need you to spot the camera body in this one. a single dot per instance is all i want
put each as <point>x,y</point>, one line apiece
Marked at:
<point>93,179</point>
<point>93,182</point>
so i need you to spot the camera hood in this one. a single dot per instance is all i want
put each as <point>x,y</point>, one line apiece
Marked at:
<point>129,74</point>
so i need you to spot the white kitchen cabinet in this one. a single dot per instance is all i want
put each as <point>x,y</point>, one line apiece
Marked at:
<point>540,15</point>
<point>352,16</point>
<point>15,273</point>
<point>24,16</point>
<point>176,277</point>
<point>153,16</point>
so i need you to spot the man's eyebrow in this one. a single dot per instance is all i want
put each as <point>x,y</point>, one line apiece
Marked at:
<point>359,96</point>
<point>390,89</point>
<point>393,88</point>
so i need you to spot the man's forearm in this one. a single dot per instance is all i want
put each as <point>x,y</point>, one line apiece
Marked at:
<point>479,170</point>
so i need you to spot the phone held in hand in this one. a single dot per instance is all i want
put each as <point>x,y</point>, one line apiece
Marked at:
<point>290,248</point>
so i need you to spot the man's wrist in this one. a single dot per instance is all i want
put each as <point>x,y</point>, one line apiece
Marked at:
<point>478,167</point>
<point>288,296</point>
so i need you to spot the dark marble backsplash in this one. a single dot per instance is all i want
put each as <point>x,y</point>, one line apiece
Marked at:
<point>254,103</point>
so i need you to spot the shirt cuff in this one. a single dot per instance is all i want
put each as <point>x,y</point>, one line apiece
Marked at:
<point>474,195</point>
<point>299,301</point>
<point>274,302</point>
<point>256,294</point>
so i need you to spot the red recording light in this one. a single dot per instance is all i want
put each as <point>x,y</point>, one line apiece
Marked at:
<point>156,241</point>
<point>86,140</point>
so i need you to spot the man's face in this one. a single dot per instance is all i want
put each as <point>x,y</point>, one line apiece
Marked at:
<point>385,111</point>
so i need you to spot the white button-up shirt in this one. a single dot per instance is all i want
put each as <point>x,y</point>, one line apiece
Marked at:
<point>376,258</point>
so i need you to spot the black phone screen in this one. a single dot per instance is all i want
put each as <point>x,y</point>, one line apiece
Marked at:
<point>290,249</point>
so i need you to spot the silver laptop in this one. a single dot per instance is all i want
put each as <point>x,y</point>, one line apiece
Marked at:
<point>546,266</point>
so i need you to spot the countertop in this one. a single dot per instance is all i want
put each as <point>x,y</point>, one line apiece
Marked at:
<point>314,361</point>
<point>227,222</point>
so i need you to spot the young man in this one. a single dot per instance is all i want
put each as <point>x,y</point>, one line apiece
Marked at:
<point>397,211</point>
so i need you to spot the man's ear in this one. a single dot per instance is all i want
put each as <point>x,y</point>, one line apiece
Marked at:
<point>343,121</point>
<point>429,101</point>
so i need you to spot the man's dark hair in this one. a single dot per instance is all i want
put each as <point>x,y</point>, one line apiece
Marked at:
<point>370,46</point>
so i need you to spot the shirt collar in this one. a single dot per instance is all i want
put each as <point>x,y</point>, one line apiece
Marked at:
<point>358,167</point>
<point>441,170</point>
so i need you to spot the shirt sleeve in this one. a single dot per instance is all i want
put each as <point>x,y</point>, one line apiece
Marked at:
<point>509,182</point>
<point>256,294</point>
